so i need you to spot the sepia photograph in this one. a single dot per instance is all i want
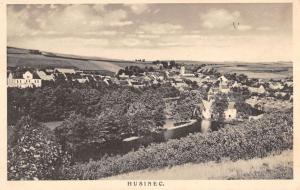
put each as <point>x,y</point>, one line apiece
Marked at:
<point>149,91</point>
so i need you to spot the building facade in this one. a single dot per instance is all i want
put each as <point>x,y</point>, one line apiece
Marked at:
<point>24,80</point>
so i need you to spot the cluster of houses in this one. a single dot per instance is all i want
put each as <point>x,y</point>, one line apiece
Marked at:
<point>260,91</point>
<point>178,77</point>
<point>24,80</point>
<point>30,78</point>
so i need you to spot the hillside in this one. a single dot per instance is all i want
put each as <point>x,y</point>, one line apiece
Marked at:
<point>39,59</point>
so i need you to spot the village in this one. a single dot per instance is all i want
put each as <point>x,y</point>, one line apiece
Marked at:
<point>263,95</point>
<point>149,91</point>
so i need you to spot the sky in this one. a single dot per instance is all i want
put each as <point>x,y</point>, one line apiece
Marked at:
<point>203,32</point>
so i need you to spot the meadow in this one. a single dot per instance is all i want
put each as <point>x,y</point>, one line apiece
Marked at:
<point>275,166</point>
<point>22,57</point>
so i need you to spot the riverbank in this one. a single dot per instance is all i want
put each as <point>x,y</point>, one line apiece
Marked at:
<point>270,167</point>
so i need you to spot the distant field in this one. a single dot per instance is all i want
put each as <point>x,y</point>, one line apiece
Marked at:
<point>39,61</point>
<point>271,167</point>
<point>257,70</point>
<point>25,57</point>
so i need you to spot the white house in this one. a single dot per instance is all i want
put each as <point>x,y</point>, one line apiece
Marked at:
<point>224,90</point>
<point>223,85</point>
<point>236,85</point>
<point>207,79</point>
<point>276,85</point>
<point>212,92</point>
<point>44,76</point>
<point>223,80</point>
<point>65,70</point>
<point>231,112</point>
<point>289,83</point>
<point>182,70</point>
<point>82,80</point>
<point>179,85</point>
<point>25,80</point>
<point>155,81</point>
<point>259,90</point>
<point>188,75</point>
<point>183,74</point>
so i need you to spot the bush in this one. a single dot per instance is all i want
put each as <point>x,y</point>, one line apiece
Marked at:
<point>245,141</point>
<point>33,152</point>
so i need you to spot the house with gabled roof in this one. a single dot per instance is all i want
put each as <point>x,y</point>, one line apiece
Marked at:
<point>65,70</point>
<point>25,79</point>
<point>44,76</point>
<point>259,90</point>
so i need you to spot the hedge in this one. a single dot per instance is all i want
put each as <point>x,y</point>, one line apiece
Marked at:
<point>33,152</point>
<point>273,133</point>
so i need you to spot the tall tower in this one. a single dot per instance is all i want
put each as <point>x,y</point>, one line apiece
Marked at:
<point>182,70</point>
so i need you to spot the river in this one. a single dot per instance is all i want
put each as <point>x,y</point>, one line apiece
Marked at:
<point>169,131</point>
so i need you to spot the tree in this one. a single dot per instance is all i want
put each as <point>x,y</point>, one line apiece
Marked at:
<point>33,152</point>
<point>80,136</point>
<point>188,103</point>
<point>167,90</point>
<point>219,105</point>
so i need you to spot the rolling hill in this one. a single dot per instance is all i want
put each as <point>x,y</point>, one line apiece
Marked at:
<point>39,59</point>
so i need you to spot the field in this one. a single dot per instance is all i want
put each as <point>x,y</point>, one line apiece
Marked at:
<point>257,70</point>
<point>22,57</point>
<point>271,167</point>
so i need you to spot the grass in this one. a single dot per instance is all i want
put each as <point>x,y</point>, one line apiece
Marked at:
<point>271,167</point>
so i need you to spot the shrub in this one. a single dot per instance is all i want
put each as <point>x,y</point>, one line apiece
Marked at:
<point>33,152</point>
<point>244,141</point>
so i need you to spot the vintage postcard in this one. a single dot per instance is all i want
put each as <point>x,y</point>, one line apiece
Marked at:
<point>149,95</point>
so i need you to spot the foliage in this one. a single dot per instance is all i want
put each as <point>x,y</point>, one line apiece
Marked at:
<point>132,70</point>
<point>56,103</point>
<point>166,64</point>
<point>53,103</point>
<point>187,106</point>
<point>168,91</point>
<point>242,78</point>
<point>273,133</point>
<point>120,113</point>
<point>219,105</point>
<point>33,152</point>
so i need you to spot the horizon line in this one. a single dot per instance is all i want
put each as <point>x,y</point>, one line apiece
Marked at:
<point>94,57</point>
